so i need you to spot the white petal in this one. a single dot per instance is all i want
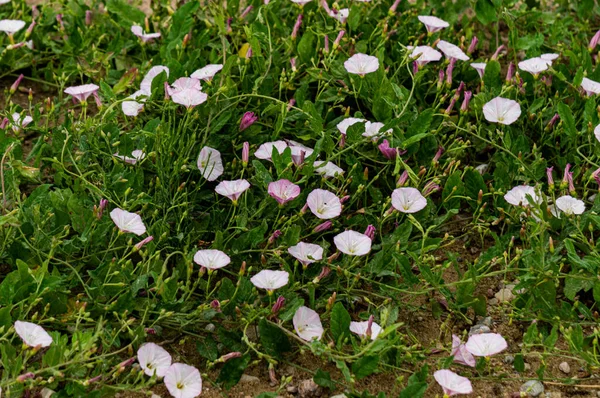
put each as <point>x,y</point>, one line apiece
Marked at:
<point>32,335</point>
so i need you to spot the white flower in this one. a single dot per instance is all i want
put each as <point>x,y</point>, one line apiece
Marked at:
<point>408,200</point>
<point>184,83</point>
<point>135,157</point>
<point>361,64</point>
<point>306,253</point>
<point>11,26</point>
<point>324,204</point>
<point>535,65</point>
<point>133,108</point>
<point>479,67</point>
<point>327,169</point>
<point>81,93</point>
<point>485,344</point>
<point>518,196</point>
<point>451,383</point>
<point>283,191</point>
<point>570,205</point>
<point>270,280</point>
<point>307,324</point>
<point>232,189</point>
<point>183,381</point>
<point>207,73</point>
<point>502,110</point>
<point>139,32</point>
<point>266,150</point>
<point>211,259</point>
<point>146,84</point>
<point>32,335</point>
<point>360,328</point>
<point>154,359</point>
<point>590,87</point>
<point>186,91</point>
<point>482,168</point>
<point>299,152</point>
<point>346,123</point>
<point>353,243</point>
<point>452,51</point>
<point>549,57</point>
<point>433,24</point>
<point>210,163</point>
<point>301,2</point>
<point>340,15</point>
<point>425,54</point>
<point>19,123</point>
<point>128,222</point>
<point>373,130</point>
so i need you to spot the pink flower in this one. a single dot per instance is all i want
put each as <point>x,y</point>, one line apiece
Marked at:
<point>183,381</point>
<point>128,222</point>
<point>388,152</point>
<point>452,384</point>
<point>510,73</point>
<point>308,324</point>
<point>81,93</point>
<point>270,280</point>
<point>210,163</point>
<point>352,243</point>
<point>361,64</point>
<point>283,191</point>
<point>338,39</point>
<point>425,54</point>
<point>32,335</point>
<point>278,305</point>
<point>324,204</point>
<point>433,24</point>
<point>479,67</point>
<point>502,110</point>
<point>247,120</point>
<point>186,91</point>
<point>473,45</point>
<point>296,28</point>
<point>207,73</point>
<point>232,189</point>
<point>246,11</point>
<point>146,240</point>
<point>211,259</point>
<point>146,37</point>
<point>408,200</point>
<point>326,225</point>
<point>88,17</point>
<point>245,153</point>
<point>153,359</point>
<point>465,105</point>
<point>370,231</point>
<point>361,329</point>
<point>594,41</point>
<point>549,177</point>
<point>452,51</point>
<point>486,344</point>
<point>306,253</point>
<point>460,353</point>
<point>15,85</point>
<point>265,151</point>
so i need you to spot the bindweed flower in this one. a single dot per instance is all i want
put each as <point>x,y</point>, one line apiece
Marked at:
<point>341,15</point>
<point>275,235</point>
<point>327,169</point>
<point>25,376</point>
<point>293,64</point>
<point>568,175</point>
<point>128,222</point>
<point>518,196</point>
<point>32,335</point>
<point>498,51</point>
<point>144,241</point>
<point>308,324</point>
<point>550,178</point>
<point>59,19</point>
<point>97,100</point>
<point>279,303</point>
<point>408,200</point>
<point>502,110</point>
<point>325,271</point>
<point>146,84</point>
<point>510,73</point>
<point>388,152</point>
<point>451,383</point>
<point>81,93</point>
<point>135,157</point>
<point>480,68</point>
<point>450,71</point>
<point>270,280</point>
<point>323,227</point>
<point>326,44</point>
<point>210,163</point>
<point>570,205</point>
<point>373,130</point>
<point>131,107</point>
<point>433,24</point>
<point>555,119</point>
<point>265,151</point>
<point>153,359</point>
<point>20,122</point>
<point>245,153</point>
<point>88,18</point>
<point>324,204</point>
<point>145,37</point>
<point>283,191</point>
<point>370,231</point>
<point>101,207</point>
<point>215,305</point>
<point>535,66</point>
<point>460,353</point>
<point>438,155</point>
<point>394,6</point>
<point>211,259</point>
<point>550,57</point>
<point>248,120</point>
<point>486,344</point>
<point>361,64</point>
<point>360,328</point>
<point>232,189</point>
<point>227,357</point>
<point>402,179</point>
<point>352,243</point>
<point>301,2</point>
<point>11,26</point>
<point>306,253</point>
<point>594,41</point>
<point>590,86</point>
<point>473,45</point>
<point>296,27</point>
<point>207,73</point>
<point>246,11</point>
<point>15,85</point>
<point>228,28</point>
<point>430,188</point>
<point>346,123</point>
<point>425,54</point>
<point>451,51</point>
<point>183,381</point>
<point>465,104</point>
<point>299,152</point>
<point>186,91</point>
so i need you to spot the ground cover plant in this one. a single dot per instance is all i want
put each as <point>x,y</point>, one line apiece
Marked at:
<point>299,198</point>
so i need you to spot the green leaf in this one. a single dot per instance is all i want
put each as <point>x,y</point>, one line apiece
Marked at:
<point>454,187</point>
<point>307,46</point>
<point>291,308</point>
<point>566,116</point>
<point>341,365</point>
<point>519,363</point>
<point>420,125</point>
<point>233,370</point>
<point>273,339</point>
<point>485,12</point>
<point>323,379</point>
<point>262,174</point>
<point>492,78</point>
<point>340,322</point>
<point>208,348</point>
<point>417,384</point>
<point>365,366</point>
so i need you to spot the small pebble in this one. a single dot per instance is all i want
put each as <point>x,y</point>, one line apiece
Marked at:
<point>479,329</point>
<point>249,379</point>
<point>533,388</point>
<point>210,327</point>
<point>509,359</point>
<point>527,367</point>
<point>292,389</point>
<point>504,295</point>
<point>487,321</point>
<point>564,367</point>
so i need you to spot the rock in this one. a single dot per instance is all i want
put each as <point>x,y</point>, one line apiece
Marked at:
<point>493,301</point>
<point>509,359</point>
<point>289,370</point>
<point>47,393</point>
<point>527,367</point>
<point>339,396</point>
<point>479,329</point>
<point>291,389</point>
<point>210,327</point>
<point>490,293</point>
<point>554,394</point>
<point>533,388</point>
<point>564,367</point>
<point>598,394</point>
<point>487,321</point>
<point>249,379</point>
<point>504,295</point>
<point>308,389</point>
